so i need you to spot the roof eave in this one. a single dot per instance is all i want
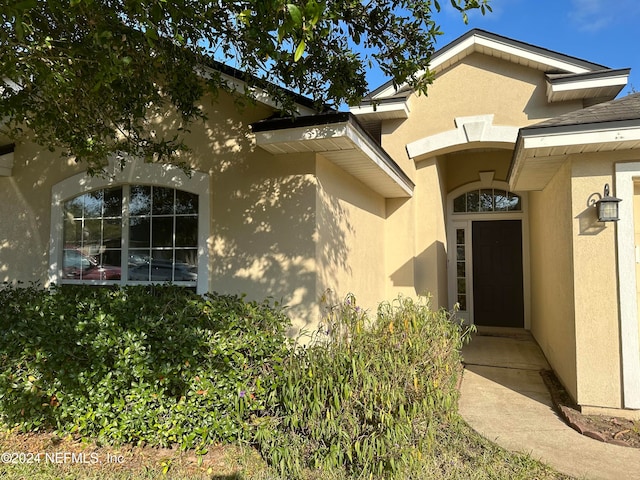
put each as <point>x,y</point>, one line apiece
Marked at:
<point>340,139</point>
<point>541,151</point>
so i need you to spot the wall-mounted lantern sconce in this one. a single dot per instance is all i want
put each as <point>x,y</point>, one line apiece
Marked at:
<point>607,207</point>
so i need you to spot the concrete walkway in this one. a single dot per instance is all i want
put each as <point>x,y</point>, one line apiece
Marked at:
<point>504,398</point>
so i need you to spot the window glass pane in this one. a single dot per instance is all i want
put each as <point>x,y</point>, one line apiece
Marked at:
<point>501,201</point>
<point>112,233</point>
<point>186,203</point>
<point>139,265</point>
<point>162,231</point>
<point>139,232</point>
<point>486,200</point>
<point>74,207</point>
<point>460,204</point>
<point>74,263</point>
<point>462,285</point>
<point>162,201</point>
<point>92,232</point>
<point>158,217</point>
<point>462,300</point>
<point>108,267</point>
<point>461,269</point>
<point>460,253</point>
<point>138,258</point>
<point>460,236</point>
<point>113,202</point>
<point>140,201</point>
<point>72,233</point>
<point>473,202</point>
<point>514,202</point>
<point>93,202</point>
<point>186,231</point>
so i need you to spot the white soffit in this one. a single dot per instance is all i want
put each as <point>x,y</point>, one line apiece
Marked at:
<point>539,156</point>
<point>347,148</point>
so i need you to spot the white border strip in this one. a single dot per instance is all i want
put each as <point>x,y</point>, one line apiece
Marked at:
<point>627,281</point>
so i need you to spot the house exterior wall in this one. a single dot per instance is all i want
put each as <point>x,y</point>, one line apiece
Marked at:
<point>595,287</point>
<point>25,212</point>
<point>552,276</point>
<point>262,207</point>
<point>349,238</point>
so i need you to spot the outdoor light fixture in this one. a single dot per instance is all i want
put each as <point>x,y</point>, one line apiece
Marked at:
<point>607,207</point>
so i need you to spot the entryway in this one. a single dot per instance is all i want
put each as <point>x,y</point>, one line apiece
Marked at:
<point>487,256</point>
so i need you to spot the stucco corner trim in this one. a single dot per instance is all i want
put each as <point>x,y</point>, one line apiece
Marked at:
<point>469,132</point>
<point>629,342</point>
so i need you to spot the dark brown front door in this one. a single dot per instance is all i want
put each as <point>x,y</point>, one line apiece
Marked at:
<point>497,273</point>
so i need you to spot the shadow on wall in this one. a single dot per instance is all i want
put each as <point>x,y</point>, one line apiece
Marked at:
<point>25,212</point>
<point>264,229</point>
<point>588,222</point>
<point>264,222</point>
<point>424,272</point>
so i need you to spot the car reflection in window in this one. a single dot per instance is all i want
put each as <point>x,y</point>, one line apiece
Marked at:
<point>164,271</point>
<point>76,265</point>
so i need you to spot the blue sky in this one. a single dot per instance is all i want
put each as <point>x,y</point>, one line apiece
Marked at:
<point>606,32</point>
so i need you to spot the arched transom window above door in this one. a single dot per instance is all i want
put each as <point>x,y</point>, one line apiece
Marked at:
<point>486,200</point>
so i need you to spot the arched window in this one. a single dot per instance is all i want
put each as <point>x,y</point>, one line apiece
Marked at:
<point>487,200</point>
<point>157,237</point>
<point>131,233</point>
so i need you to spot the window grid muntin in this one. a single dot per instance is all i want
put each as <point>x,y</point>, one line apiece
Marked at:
<point>186,208</point>
<point>487,200</point>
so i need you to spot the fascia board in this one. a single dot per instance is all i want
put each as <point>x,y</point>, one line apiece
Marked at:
<point>601,135</point>
<point>400,108</point>
<point>587,84</point>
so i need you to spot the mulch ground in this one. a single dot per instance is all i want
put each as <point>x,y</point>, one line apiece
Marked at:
<point>615,430</point>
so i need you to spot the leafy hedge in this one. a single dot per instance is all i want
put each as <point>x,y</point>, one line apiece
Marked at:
<point>158,365</point>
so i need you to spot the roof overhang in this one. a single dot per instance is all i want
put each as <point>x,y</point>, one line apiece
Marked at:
<point>340,139</point>
<point>541,151</point>
<point>386,109</point>
<point>597,86</point>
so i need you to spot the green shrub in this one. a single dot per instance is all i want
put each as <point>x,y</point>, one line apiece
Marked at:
<point>368,395</point>
<point>156,365</point>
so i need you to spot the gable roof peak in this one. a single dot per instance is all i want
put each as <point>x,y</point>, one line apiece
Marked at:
<point>493,44</point>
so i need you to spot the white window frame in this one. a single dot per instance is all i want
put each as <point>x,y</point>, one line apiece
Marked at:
<point>135,172</point>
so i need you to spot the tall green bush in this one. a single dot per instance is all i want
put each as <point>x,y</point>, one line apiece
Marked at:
<point>156,365</point>
<point>368,395</point>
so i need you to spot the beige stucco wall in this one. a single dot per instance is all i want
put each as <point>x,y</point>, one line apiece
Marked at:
<point>430,261</point>
<point>595,287</point>
<point>465,167</point>
<point>478,85</point>
<point>552,281</point>
<point>25,212</point>
<point>350,239</point>
<point>262,210</point>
